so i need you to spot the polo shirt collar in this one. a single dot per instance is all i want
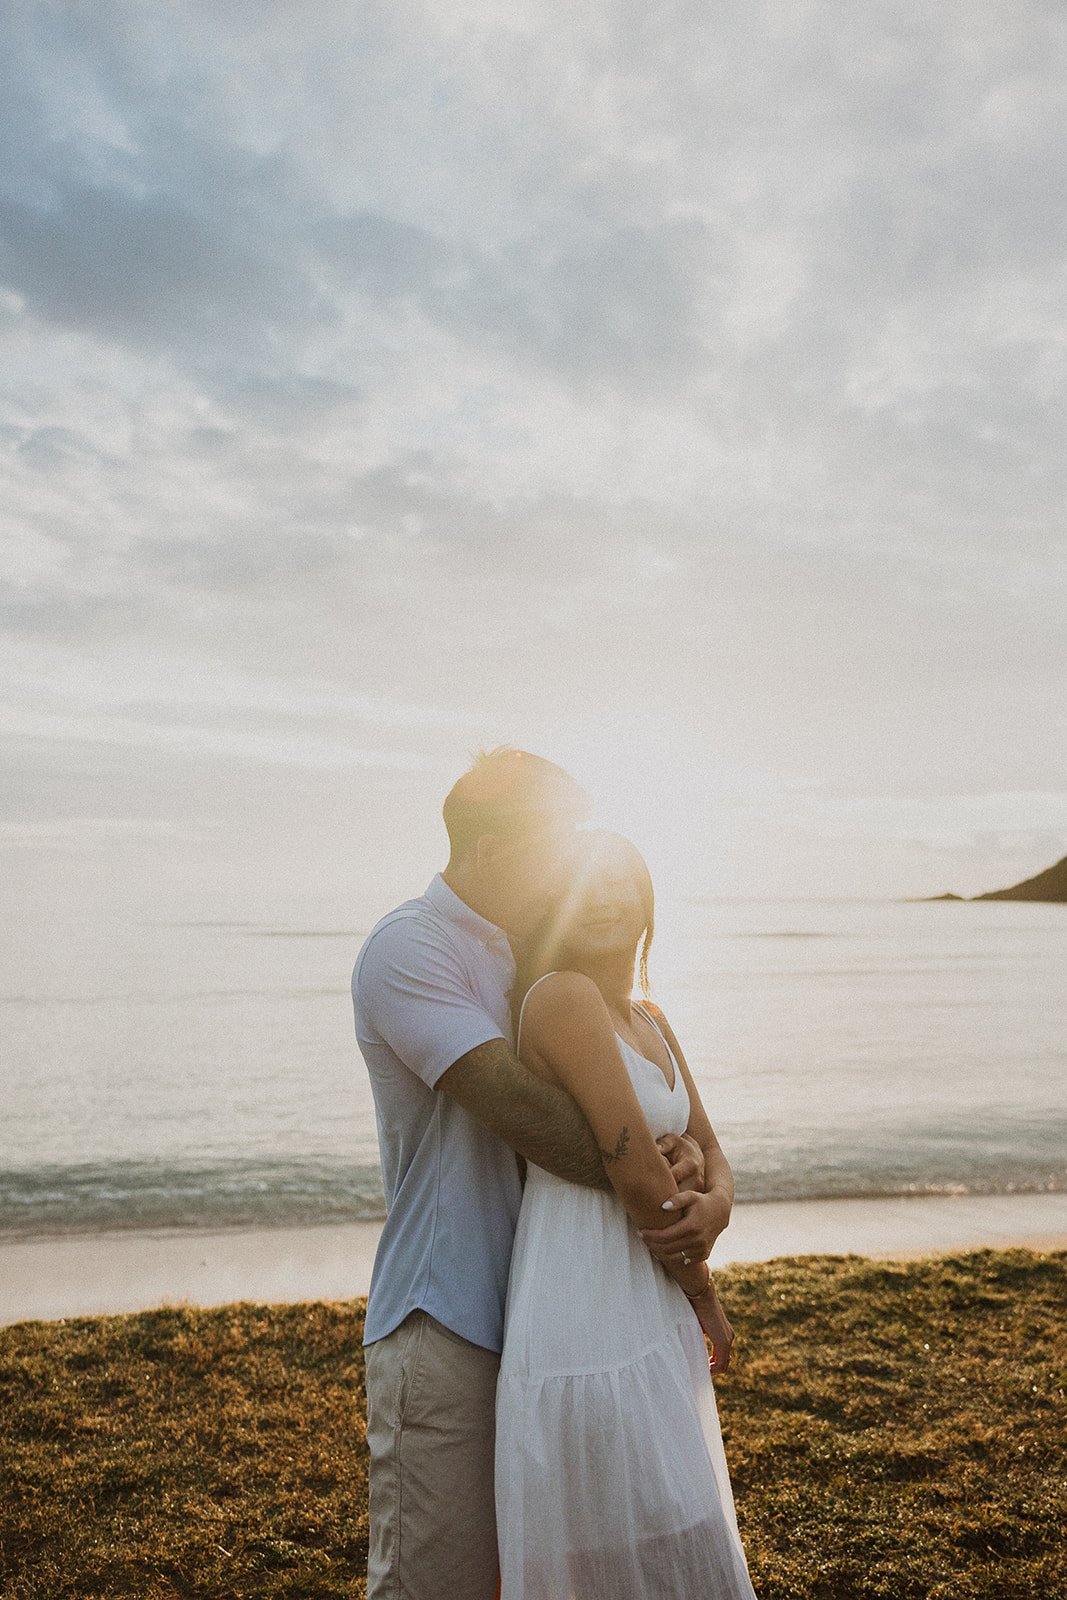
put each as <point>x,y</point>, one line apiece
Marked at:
<point>448,903</point>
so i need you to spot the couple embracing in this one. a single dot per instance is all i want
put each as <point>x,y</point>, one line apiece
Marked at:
<point>540,1409</point>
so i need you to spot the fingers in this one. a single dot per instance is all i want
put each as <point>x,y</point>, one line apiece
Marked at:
<point>675,1221</point>
<point>671,1250</point>
<point>689,1155</point>
<point>720,1352</point>
<point>670,1257</point>
<point>684,1243</point>
<point>677,1256</point>
<point>694,1230</point>
<point>674,1249</point>
<point>681,1237</point>
<point>684,1170</point>
<point>683,1159</point>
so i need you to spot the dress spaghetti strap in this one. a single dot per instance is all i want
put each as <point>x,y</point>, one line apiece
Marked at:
<point>522,1008</point>
<point>639,1005</point>
<point>645,1012</point>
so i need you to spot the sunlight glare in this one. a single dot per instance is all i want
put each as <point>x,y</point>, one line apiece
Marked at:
<point>653,783</point>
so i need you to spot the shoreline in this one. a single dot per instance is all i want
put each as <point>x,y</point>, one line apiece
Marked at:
<point>48,1278</point>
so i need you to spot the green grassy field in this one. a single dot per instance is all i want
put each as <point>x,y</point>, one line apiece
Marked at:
<point>893,1430</point>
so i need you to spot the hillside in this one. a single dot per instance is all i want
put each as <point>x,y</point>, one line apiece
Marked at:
<point>1048,885</point>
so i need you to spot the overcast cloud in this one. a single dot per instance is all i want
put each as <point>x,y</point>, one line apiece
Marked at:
<point>676,390</point>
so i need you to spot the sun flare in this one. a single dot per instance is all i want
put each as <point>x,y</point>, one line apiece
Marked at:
<point>658,787</point>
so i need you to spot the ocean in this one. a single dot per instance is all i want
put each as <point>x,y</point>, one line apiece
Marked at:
<point>158,1073</point>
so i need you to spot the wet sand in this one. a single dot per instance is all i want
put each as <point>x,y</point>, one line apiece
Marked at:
<point>95,1274</point>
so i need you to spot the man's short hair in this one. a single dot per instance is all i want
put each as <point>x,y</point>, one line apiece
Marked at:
<point>510,793</point>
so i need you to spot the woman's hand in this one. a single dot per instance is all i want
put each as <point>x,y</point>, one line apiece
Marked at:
<point>696,1222</point>
<point>685,1158</point>
<point>712,1319</point>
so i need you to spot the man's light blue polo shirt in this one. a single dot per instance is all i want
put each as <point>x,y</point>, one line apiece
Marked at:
<point>430,983</point>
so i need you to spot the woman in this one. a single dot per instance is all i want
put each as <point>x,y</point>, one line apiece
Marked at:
<point>611,1479</point>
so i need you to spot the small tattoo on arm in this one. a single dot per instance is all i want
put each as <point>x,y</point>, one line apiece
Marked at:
<point>619,1151</point>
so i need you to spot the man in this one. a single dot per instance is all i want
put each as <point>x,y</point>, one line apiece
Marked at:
<point>431,995</point>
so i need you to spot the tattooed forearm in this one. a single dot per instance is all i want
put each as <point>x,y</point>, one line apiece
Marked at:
<point>621,1145</point>
<point>535,1118</point>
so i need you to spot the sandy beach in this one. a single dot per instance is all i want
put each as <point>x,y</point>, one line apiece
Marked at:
<point>88,1275</point>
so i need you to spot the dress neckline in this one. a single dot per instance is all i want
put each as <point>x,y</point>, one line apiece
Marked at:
<point>670,1087</point>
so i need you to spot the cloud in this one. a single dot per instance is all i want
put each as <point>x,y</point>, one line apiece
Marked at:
<point>506,363</point>
<point>187,739</point>
<point>79,834</point>
<point>947,821</point>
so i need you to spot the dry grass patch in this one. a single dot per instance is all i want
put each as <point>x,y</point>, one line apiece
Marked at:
<point>895,1432</point>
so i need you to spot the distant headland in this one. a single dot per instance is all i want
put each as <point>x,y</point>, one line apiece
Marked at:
<point>1050,885</point>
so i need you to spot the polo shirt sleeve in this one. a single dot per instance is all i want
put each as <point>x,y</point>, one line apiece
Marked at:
<point>412,992</point>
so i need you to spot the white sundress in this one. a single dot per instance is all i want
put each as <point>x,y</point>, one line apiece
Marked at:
<point>611,1479</point>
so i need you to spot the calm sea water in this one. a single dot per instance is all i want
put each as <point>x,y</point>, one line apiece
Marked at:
<point>164,1073</point>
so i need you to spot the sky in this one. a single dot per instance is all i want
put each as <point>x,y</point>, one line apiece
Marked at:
<point>674,390</point>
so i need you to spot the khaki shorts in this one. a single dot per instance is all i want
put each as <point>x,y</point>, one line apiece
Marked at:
<point>431,1413</point>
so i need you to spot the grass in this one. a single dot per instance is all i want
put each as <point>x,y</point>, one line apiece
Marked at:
<point>895,1432</point>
